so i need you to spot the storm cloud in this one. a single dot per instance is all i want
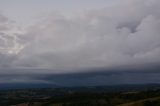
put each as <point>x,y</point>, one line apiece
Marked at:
<point>123,35</point>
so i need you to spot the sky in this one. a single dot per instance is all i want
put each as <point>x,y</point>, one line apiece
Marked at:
<point>79,36</point>
<point>26,11</point>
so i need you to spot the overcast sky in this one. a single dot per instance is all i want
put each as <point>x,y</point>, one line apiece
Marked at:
<point>26,11</point>
<point>64,36</point>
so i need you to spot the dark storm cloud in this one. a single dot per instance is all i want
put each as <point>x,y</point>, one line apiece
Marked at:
<point>100,77</point>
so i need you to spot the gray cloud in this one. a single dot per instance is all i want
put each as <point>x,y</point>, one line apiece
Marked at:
<point>9,42</point>
<point>122,35</point>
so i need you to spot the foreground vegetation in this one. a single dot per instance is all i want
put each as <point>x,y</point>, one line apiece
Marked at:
<point>86,96</point>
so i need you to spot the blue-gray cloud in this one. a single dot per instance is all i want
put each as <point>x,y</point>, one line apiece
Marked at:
<point>101,77</point>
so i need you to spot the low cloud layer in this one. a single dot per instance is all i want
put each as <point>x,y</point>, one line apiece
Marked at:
<point>127,34</point>
<point>78,79</point>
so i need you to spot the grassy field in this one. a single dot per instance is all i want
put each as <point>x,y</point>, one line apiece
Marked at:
<point>145,102</point>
